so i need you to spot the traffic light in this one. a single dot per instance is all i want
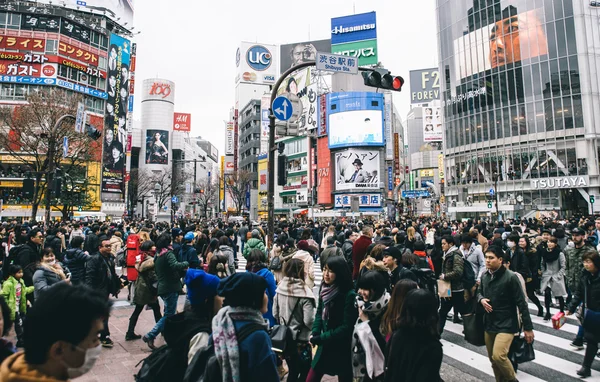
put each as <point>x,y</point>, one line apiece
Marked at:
<point>592,199</point>
<point>281,170</point>
<point>79,209</point>
<point>489,204</point>
<point>383,79</point>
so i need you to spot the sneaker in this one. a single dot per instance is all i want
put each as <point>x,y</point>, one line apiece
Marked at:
<point>149,342</point>
<point>577,343</point>
<point>584,372</point>
<point>107,343</point>
<point>132,336</point>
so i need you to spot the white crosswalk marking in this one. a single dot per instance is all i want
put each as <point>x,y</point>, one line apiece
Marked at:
<point>555,361</point>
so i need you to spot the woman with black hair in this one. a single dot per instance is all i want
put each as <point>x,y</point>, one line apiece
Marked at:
<point>218,266</point>
<point>334,322</point>
<point>368,344</point>
<point>6,347</point>
<point>553,275</point>
<point>436,255</point>
<point>256,265</point>
<point>212,247</point>
<point>533,283</point>
<point>414,352</point>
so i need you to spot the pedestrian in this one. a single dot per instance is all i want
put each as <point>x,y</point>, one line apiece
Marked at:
<point>414,351</point>
<point>588,293</point>
<point>6,347</point>
<point>29,255</point>
<point>452,271</point>
<point>256,264</point>
<point>349,239</point>
<point>226,250</point>
<point>15,294</point>
<point>276,258</point>
<point>76,259</point>
<point>368,343</point>
<point>391,317</point>
<point>167,270</point>
<point>218,266</point>
<point>61,336</point>
<point>331,249</point>
<point>359,250</point>
<point>501,294</point>
<point>145,292</point>
<point>518,261</point>
<point>187,252</point>
<point>294,305</point>
<point>243,233</point>
<point>532,283</point>
<point>254,243</point>
<point>245,302</point>
<point>48,273</point>
<point>553,275</point>
<point>334,322</point>
<point>309,265</point>
<point>100,275</point>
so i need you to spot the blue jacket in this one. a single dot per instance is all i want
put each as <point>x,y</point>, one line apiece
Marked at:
<point>271,287</point>
<point>187,253</point>
<point>257,361</point>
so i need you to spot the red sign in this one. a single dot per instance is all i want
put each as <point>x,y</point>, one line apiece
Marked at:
<point>77,53</point>
<point>22,43</point>
<point>48,70</point>
<point>182,122</point>
<point>12,68</point>
<point>83,68</point>
<point>397,154</point>
<point>324,172</point>
<point>160,89</point>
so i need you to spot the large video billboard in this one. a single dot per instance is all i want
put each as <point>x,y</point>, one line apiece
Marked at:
<point>355,119</point>
<point>357,168</point>
<point>157,147</point>
<point>121,11</point>
<point>115,133</point>
<point>297,53</point>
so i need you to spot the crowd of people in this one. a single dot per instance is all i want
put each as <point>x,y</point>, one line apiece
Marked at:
<point>388,289</point>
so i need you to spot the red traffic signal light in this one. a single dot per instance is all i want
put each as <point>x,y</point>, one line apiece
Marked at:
<point>383,79</point>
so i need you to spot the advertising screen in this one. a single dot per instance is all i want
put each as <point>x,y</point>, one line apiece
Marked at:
<point>355,119</point>
<point>119,10</point>
<point>115,133</point>
<point>432,124</point>
<point>355,36</point>
<point>182,122</point>
<point>357,168</point>
<point>297,53</point>
<point>157,147</point>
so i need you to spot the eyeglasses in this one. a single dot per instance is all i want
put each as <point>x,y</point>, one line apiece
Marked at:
<point>106,246</point>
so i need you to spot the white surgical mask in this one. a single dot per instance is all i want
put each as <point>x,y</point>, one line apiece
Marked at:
<point>91,356</point>
<point>510,244</point>
<point>52,262</point>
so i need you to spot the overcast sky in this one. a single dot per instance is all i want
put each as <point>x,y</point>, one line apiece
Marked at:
<point>193,43</point>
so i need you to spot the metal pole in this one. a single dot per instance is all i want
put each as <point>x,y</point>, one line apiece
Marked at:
<point>497,198</point>
<point>195,200</point>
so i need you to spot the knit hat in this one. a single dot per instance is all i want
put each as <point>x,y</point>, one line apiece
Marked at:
<point>419,245</point>
<point>189,236</point>
<point>243,289</point>
<point>200,285</point>
<point>303,245</point>
<point>176,232</point>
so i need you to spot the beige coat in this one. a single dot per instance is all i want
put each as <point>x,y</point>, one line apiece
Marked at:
<point>309,267</point>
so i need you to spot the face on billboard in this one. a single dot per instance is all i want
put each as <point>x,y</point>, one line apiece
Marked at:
<point>157,147</point>
<point>294,54</point>
<point>357,168</point>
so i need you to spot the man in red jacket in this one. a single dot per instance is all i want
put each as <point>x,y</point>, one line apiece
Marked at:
<point>359,249</point>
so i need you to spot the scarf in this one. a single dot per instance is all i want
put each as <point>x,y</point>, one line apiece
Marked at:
<point>225,340</point>
<point>56,268</point>
<point>550,256</point>
<point>293,287</point>
<point>328,293</point>
<point>367,356</point>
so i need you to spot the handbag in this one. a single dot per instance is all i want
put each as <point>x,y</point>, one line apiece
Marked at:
<point>473,325</point>
<point>444,288</point>
<point>521,351</point>
<point>282,336</point>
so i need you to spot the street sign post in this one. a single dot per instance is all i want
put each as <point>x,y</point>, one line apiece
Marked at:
<point>65,147</point>
<point>336,63</point>
<point>175,199</point>
<point>282,108</point>
<point>491,192</point>
<point>79,119</point>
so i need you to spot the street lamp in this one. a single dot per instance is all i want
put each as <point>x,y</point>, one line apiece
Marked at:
<point>156,194</point>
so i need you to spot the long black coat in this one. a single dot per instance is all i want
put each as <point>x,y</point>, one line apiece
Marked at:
<point>100,275</point>
<point>588,290</point>
<point>413,355</point>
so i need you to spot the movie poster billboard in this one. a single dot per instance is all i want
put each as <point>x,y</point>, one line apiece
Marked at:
<point>357,169</point>
<point>115,133</point>
<point>300,52</point>
<point>432,124</point>
<point>303,83</point>
<point>157,147</point>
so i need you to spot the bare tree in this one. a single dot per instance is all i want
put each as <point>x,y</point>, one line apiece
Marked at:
<point>147,181</point>
<point>31,135</point>
<point>208,196</point>
<point>238,183</point>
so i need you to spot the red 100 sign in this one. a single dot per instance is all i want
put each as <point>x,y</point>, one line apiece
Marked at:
<point>160,89</point>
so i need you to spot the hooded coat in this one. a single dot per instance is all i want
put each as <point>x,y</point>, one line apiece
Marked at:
<point>9,292</point>
<point>16,369</point>
<point>309,266</point>
<point>294,305</point>
<point>145,291</point>
<point>75,259</point>
<point>251,244</point>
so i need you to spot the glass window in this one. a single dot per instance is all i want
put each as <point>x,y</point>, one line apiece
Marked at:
<point>567,7</point>
<point>549,115</point>
<point>13,21</point>
<point>574,75</point>
<point>554,78</point>
<point>561,42</point>
<point>51,46</point>
<point>510,83</point>
<point>577,111</point>
<point>506,122</point>
<point>571,162</point>
<point>2,19</point>
<point>558,114</point>
<point>540,117</point>
<point>545,72</point>
<point>514,121</point>
<point>101,62</point>
<point>570,36</point>
<point>63,71</point>
<point>551,35</point>
<point>567,112</point>
<point>537,81</point>
<point>21,91</point>
<point>530,118</point>
<point>527,85</point>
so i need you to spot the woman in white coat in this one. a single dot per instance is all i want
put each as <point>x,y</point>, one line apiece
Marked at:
<point>309,264</point>
<point>553,275</point>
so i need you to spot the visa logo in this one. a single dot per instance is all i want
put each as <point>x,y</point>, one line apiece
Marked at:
<point>269,78</point>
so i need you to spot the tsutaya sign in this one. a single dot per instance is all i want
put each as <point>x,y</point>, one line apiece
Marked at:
<point>562,182</point>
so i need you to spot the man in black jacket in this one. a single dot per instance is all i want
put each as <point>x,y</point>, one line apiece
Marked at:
<point>100,275</point>
<point>91,240</point>
<point>28,255</point>
<point>500,294</point>
<point>349,239</point>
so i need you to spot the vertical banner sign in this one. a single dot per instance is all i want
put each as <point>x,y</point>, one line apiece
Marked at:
<point>323,172</point>
<point>389,145</point>
<point>115,135</point>
<point>432,124</point>
<point>322,130</point>
<point>229,145</point>
<point>441,165</point>
<point>235,140</point>
<point>397,153</point>
<point>264,124</point>
<point>390,178</point>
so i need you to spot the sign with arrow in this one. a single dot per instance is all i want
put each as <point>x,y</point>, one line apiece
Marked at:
<point>282,108</point>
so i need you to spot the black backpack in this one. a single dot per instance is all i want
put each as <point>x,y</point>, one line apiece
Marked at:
<point>205,367</point>
<point>13,258</point>
<point>426,279</point>
<point>468,277</point>
<point>158,366</point>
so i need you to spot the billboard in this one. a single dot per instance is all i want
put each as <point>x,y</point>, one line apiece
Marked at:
<point>117,98</point>
<point>264,124</point>
<point>182,122</point>
<point>229,143</point>
<point>229,165</point>
<point>424,85</point>
<point>364,200</point>
<point>303,83</point>
<point>322,114</point>
<point>356,36</point>
<point>157,147</point>
<point>357,168</point>
<point>83,55</point>
<point>389,140</point>
<point>517,37</point>
<point>257,63</point>
<point>432,124</point>
<point>323,172</point>
<point>22,43</point>
<point>297,53</point>
<point>121,11</point>
<point>355,119</point>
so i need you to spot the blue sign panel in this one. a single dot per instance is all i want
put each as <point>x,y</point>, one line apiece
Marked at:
<point>28,80</point>
<point>410,194</point>
<point>390,178</point>
<point>355,119</point>
<point>282,108</point>
<point>353,28</point>
<point>259,58</point>
<point>82,89</point>
<point>130,109</point>
<point>175,199</point>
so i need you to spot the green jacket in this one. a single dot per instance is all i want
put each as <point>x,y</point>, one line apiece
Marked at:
<point>453,267</point>
<point>253,243</point>
<point>575,264</point>
<point>167,270</point>
<point>9,292</point>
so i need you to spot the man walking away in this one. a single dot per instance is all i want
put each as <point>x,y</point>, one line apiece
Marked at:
<point>452,271</point>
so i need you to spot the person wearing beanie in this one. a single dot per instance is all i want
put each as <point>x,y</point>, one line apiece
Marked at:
<point>245,301</point>
<point>392,259</point>
<point>309,264</point>
<point>254,243</point>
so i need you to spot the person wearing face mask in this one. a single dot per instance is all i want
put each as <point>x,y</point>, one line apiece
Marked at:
<point>71,347</point>
<point>533,283</point>
<point>518,262</point>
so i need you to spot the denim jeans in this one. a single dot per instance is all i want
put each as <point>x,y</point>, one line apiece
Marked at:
<point>170,301</point>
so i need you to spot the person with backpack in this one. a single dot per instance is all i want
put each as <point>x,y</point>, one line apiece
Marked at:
<point>276,261</point>
<point>256,265</point>
<point>92,242</point>
<point>226,250</point>
<point>27,255</point>
<point>254,243</point>
<point>15,294</point>
<point>330,250</point>
<point>453,266</point>
<point>294,305</point>
<point>75,259</point>
<point>249,357</point>
<point>187,252</point>
<point>473,255</point>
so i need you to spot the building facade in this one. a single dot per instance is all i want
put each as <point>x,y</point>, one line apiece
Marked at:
<point>519,96</point>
